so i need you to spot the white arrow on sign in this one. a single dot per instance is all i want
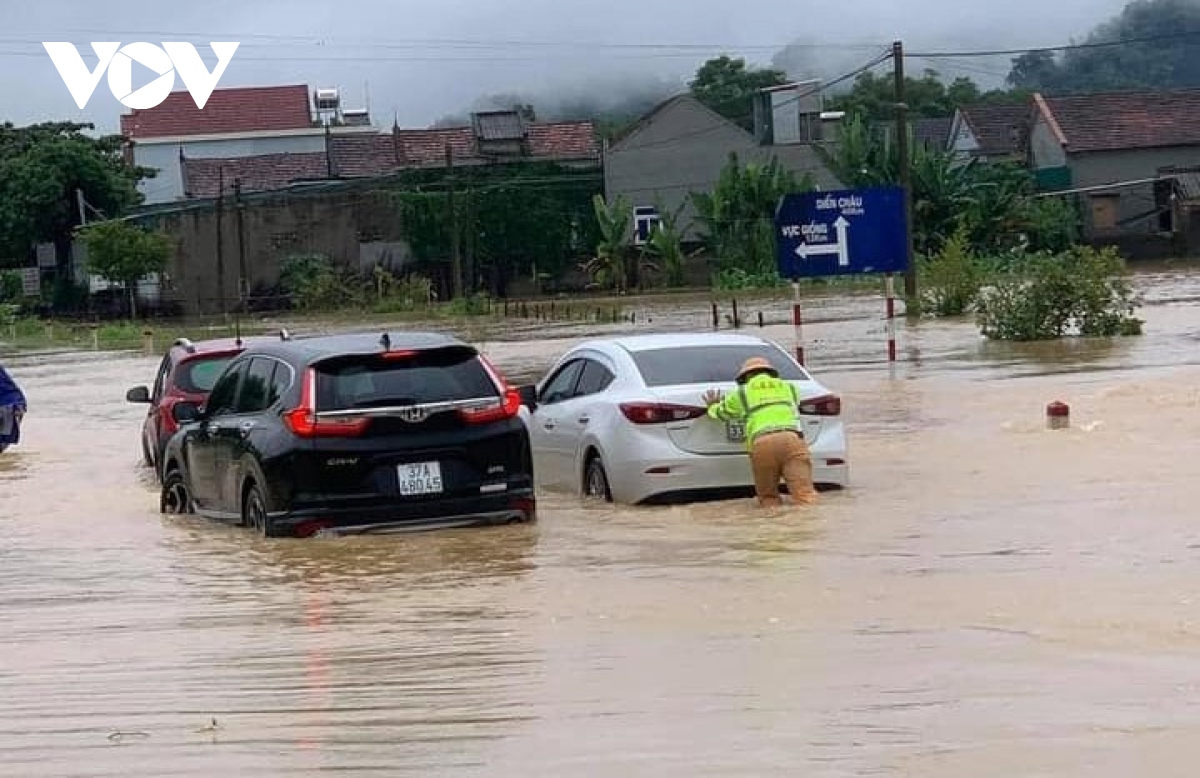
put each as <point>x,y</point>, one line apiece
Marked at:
<point>841,247</point>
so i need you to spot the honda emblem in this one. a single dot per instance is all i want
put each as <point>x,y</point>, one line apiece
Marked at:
<point>414,415</point>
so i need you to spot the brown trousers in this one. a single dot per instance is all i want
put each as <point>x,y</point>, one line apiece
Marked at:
<point>782,454</point>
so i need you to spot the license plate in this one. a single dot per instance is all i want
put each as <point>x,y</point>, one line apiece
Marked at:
<point>735,431</point>
<point>420,478</point>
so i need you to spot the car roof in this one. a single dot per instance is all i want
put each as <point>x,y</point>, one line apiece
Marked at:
<point>197,348</point>
<point>319,347</point>
<point>634,343</point>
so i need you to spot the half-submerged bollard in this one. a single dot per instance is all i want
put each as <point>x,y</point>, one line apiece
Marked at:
<point>1058,416</point>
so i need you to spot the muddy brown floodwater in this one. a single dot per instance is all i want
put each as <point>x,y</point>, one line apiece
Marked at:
<point>987,599</point>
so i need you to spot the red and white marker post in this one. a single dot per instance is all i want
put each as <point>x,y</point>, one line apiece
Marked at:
<point>890,293</point>
<point>797,322</point>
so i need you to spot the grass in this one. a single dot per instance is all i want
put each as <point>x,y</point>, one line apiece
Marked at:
<point>27,333</point>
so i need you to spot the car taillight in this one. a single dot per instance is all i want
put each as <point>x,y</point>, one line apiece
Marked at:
<point>304,422</point>
<point>825,405</point>
<point>502,409</point>
<point>660,413</point>
<point>167,417</point>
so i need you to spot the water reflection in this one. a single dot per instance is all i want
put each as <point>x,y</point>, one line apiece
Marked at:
<point>983,582</point>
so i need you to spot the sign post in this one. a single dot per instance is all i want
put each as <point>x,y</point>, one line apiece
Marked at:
<point>842,233</point>
<point>890,293</point>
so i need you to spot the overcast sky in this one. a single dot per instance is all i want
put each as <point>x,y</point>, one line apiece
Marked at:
<point>423,59</point>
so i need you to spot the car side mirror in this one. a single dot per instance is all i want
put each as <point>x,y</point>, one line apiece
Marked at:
<point>138,394</point>
<point>184,412</point>
<point>529,397</point>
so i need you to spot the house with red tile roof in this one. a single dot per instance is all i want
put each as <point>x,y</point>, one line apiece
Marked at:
<point>257,121</point>
<point>1110,149</point>
<point>990,133</point>
<point>493,138</point>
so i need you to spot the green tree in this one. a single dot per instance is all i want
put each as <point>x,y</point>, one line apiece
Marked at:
<point>995,204</point>
<point>1159,57</point>
<point>123,253</point>
<point>609,268</point>
<point>738,216</point>
<point>41,167</point>
<point>873,96</point>
<point>728,87</point>
<point>665,244</point>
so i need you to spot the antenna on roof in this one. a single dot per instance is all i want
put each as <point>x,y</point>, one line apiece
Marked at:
<point>386,341</point>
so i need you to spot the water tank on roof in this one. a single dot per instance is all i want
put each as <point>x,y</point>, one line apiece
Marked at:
<point>326,100</point>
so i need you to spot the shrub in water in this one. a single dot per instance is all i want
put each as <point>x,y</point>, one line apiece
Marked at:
<point>1081,291</point>
<point>951,278</point>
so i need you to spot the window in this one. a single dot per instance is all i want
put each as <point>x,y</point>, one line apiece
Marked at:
<point>432,376</point>
<point>281,381</point>
<point>197,376</point>
<point>221,399</point>
<point>645,220</point>
<point>594,378</point>
<point>708,364</point>
<point>562,385</point>
<point>160,379</point>
<point>257,387</point>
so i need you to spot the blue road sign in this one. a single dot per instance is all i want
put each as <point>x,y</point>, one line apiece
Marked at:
<point>845,232</point>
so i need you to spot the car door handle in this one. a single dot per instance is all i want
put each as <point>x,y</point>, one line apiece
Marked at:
<point>584,419</point>
<point>548,425</point>
<point>245,428</point>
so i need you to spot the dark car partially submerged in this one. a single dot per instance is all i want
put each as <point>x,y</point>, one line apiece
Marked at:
<point>352,434</point>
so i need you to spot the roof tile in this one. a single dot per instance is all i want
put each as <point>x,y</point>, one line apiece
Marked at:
<point>1128,120</point>
<point>1000,128</point>
<point>360,156</point>
<point>237,109</point>
<point>203,177</point>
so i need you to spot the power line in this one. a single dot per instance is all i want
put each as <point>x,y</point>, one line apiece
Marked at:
<point>782,104</point>
<point>1054,49</point>
<point>442,43</point>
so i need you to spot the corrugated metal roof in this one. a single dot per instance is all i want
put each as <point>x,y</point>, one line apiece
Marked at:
<point>499,125</point>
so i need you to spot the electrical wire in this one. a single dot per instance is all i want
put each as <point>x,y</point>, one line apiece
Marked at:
<point>1053,49</point>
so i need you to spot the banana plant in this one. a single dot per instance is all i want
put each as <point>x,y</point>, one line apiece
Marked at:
<point>615,224</point>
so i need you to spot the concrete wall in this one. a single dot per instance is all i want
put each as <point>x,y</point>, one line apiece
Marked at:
<point>336,226</point>
<point>1100,168</point>
<point>1044,148</point>
<point>682,149</point>
<point>164,157</point>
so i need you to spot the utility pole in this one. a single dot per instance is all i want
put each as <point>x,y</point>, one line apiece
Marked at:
<point>905,167</point>
<point>470,260</point>
<point>220,240</point>
<point>455,255</point>
<point>241,235</point>
<point>82,204</point>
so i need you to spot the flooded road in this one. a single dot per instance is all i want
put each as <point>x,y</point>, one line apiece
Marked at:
<point>987,599</point>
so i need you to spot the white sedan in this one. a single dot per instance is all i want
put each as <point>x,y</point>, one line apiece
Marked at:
<point>622,419</point>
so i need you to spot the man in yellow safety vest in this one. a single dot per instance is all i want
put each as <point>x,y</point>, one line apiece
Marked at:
<point>769,408</point>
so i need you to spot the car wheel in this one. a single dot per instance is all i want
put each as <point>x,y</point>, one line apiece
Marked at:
<point>595,481</point>
<point>254,512</point>
<point>175,497</point>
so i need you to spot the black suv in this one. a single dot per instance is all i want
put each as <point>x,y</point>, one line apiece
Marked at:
<point>353,433</point>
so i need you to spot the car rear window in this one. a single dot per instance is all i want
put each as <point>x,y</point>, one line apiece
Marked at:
<point>200,374</point>
<point>707,364</point>
<point>442,375</point>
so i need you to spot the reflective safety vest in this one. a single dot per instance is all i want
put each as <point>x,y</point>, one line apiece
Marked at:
<point>765,403</point>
